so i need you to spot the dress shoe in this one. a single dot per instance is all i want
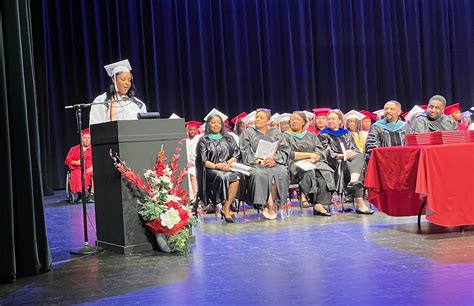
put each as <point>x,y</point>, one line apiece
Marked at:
<point>70,197</point>
<point>365,212</point>
<point>354,185</point>
<point>227,220</point>
<point>208,209</point>
<point>320,213</point>
<point>267,215</point>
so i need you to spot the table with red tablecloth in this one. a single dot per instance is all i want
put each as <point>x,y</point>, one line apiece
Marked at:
<point>398,177</point>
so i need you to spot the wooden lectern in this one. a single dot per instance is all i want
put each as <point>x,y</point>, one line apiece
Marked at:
<point>119,227</point>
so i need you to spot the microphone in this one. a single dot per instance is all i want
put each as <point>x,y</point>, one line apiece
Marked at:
<point>105,102</point>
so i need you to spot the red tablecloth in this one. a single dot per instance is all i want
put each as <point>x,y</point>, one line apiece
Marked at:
<point>397,176</point>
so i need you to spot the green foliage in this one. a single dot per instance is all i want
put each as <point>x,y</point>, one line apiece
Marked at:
<point>179,242</point>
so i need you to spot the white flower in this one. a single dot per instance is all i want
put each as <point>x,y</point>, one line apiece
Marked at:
<point>172,198</point>
<point>170,218</point>
<point>165,179</point>
<point>149,174</point>
<point>167,171</point>
<point>155,180</point>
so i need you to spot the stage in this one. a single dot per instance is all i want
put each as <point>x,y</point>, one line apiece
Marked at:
<point>345,259</point>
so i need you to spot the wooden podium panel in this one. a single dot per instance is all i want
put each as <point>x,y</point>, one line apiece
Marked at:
<point>119,227</point>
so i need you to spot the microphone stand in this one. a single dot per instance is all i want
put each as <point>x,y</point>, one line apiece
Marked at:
<point>85,249</point>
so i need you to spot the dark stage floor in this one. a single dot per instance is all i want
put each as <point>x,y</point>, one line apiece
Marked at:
<point>346,259</point>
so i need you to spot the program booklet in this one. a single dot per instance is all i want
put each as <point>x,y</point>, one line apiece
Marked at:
<point>241,168</point>
<point>305,165</point>
<point>266,149</point>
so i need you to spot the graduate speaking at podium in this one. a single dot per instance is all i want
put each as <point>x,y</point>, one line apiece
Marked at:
<point>119,101</point>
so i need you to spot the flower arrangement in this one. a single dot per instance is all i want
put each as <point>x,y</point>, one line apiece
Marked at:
<point>163,202</point>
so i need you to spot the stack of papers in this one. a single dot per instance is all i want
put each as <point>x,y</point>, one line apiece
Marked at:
<point>469,136</point>
<point>418,139</point>
<point>441,137</point>
<point>448,137</point>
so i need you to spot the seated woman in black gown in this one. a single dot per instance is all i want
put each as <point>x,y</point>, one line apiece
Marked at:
<point>342,151</point>
<point>316,184</point>
<point>268,180</point>
<point>216,151</point>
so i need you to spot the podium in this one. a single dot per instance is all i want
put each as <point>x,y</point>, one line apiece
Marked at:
<point>119,227</point>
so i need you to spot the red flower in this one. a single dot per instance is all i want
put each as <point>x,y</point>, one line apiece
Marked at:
<point>134,179</point>
<point>160,163</point>
<point>159,167</point>
<point>174,161</point>
<point>181,176</point>
<point>156,227</point>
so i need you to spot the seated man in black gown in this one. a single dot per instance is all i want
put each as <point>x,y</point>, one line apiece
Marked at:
<point>389,131</point>
<point>434,118</point>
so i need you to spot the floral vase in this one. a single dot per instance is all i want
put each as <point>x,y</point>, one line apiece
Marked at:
<point>162,243</point>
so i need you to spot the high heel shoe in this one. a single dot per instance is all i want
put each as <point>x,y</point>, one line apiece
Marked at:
<point>354,185</point>
<point>320,213</point>
<point>267,215</point>
<point>228,220</point>
<point>365,212</point>
<point>317,212</point>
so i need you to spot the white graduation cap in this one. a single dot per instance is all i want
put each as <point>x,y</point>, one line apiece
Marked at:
<point>174,116</point>
<point>249,117</point>
<point>466,113</point>
<point>122,66</point>
<point>378,113</point>
<point>274,117</point>
<point>284,117</point>
<point>216,112</point>
<point>353,114</point>
<point>413,113</point>
<point>309,115</point>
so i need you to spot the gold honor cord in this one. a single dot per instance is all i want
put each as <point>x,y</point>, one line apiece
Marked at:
<point>111,108</point>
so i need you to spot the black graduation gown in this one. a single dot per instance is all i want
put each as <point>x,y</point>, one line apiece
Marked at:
<point>309,180</point>
<point>213,184</point>
<point>342,169</point>
<point>258,184</point>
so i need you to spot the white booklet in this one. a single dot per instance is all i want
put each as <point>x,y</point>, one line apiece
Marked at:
<point>305,165</point>
<point>266,149</point>
<point>241,168</point>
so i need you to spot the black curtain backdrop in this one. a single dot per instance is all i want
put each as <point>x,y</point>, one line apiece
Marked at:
<point>24,247</point>
<point>190,56</point>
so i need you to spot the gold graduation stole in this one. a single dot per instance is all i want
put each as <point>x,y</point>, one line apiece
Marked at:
<point>111,108</point>
<point>359,140</point>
